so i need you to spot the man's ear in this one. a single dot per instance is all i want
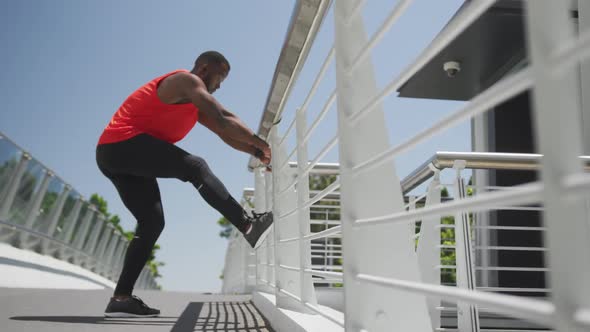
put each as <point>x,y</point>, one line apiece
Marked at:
<point>204,68</point>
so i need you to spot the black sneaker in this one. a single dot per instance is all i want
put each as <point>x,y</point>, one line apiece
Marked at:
<point>260,227</point>
<point>130,307</point>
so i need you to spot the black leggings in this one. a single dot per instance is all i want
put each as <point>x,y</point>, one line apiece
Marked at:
<point>133,166</point>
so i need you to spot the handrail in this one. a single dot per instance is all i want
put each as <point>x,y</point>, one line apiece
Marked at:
<point>475,160</point>
<point>305,23</point>
<point>6,138</point>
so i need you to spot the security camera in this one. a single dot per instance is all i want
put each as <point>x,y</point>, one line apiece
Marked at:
<point>452,68</point>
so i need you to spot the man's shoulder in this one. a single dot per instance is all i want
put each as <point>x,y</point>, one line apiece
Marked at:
<point>182,78</point>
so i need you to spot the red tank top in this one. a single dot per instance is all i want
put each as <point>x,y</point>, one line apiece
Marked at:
<point>144,112</point>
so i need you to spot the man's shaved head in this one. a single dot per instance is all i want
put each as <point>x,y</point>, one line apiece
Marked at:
<point>212,67</point>
<point>211,57</point>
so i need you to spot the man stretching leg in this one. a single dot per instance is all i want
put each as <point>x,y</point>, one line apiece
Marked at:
<point>137,146</point>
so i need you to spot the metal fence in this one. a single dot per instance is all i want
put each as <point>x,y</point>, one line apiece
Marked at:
<point>41,212</point>
<point>389,281</point>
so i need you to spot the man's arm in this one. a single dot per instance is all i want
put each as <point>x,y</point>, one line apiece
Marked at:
<point>262,155</point>
<point>241,146</point>
<point>211,113</point>
<point>235,118</point>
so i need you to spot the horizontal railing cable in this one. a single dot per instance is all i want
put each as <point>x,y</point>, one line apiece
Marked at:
<point>319,118</point>
<point>325,273</point>
<point>334,186</point>
<point>393,17</point>
<point>312,164</point>
<point>498,93</point>
<point>571,52</point>
<point>471,12</point>
<point>515,306</point>
<point>314,87</point>
<point>523,194</point>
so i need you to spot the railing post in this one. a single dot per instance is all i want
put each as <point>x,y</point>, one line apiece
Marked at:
<point>99,253</point>
<point>428,250</point>
<point>378,192</point>
<point>33,210</point>
<point>307,292</point>
<point>245,254</point>
<point>468,318</point>
<point>71,222</point>
<point>35,204</point>
<point>84,226</point>
<point>260,207</point>
<point>270,242</point>
<point>120,257</point>
<point>139,284</point>
<point>259,191</point>
<point>13,185</point>
<point>54,218</point>
<point>228,265</point>
<point>146,278</point>
<point>277,161</point>
<point>584,27</point>
<point>114,257</point>
<point>91,245</point>
<point>412,225</point>
<point>146,273</point>
<point>108,257</point>
<point>559,138</point>
<point>285,253</point>
<point>150,280</point>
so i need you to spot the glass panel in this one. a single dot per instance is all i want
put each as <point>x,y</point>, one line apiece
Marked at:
<point>106,231</point>
<point>100,235</point>
<point>29,185</point>
<point>66,212</point>
<point>78,223</point>
<point>48,204</point>
<point>9,157</point>
<point>93,222</point>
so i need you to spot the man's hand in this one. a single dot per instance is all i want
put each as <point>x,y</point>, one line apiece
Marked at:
<point>264,155</point>
<point>263,152</point>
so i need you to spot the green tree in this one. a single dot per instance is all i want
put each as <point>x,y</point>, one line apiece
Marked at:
<point>48,202</point>
<point>6,170</point>
<point>226,227</point>
<point>319,182</point>
<point>447,236</point>
<point>448,256</point>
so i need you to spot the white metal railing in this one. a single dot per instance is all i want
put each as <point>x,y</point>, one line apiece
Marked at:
<point>392,283</point>
<point>41,212</point>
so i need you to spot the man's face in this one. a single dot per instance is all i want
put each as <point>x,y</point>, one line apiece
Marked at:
<point>214,75</point>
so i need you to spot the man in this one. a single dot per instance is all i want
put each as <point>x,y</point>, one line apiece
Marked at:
<point>137,146</point>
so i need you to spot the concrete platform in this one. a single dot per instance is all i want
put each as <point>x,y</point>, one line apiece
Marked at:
<point>27,269</point>
<point>59,310</point>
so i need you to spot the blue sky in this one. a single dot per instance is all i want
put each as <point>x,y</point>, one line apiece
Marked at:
<point>68,65</point>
